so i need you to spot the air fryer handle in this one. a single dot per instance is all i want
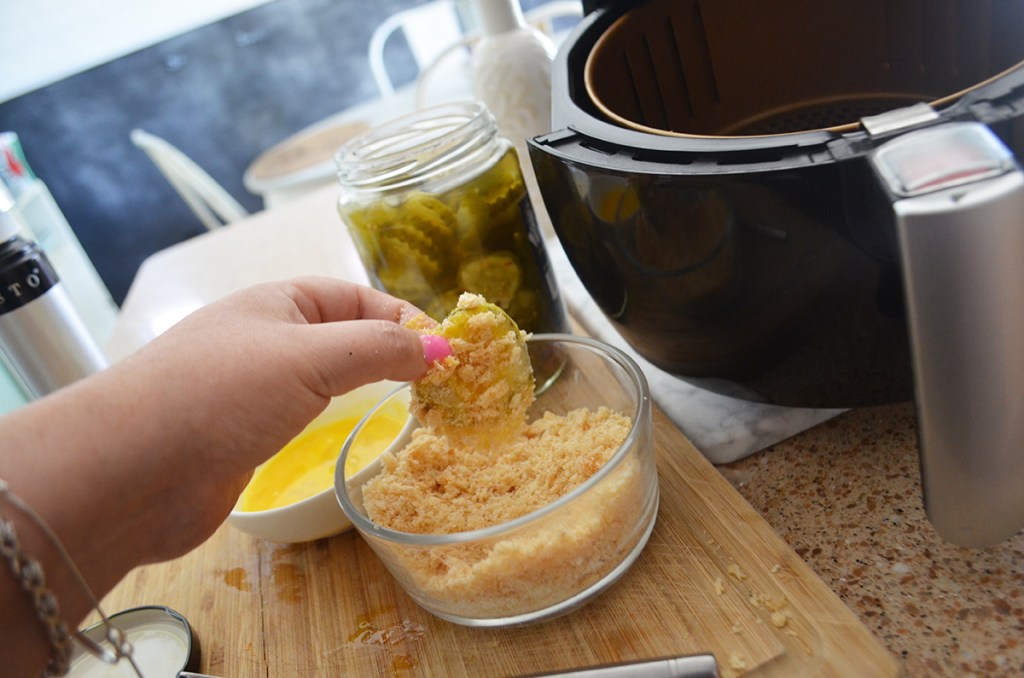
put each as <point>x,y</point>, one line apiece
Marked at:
<point>959,206</point>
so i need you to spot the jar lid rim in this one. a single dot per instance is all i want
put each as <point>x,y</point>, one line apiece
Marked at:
<point>414,145</point>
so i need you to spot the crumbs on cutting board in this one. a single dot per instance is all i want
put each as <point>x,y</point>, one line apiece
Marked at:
<point>735,572</point>
<point>767,602</point>
<point>779,616</point>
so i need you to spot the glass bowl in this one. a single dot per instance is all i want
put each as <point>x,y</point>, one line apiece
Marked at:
<point>558,557</point>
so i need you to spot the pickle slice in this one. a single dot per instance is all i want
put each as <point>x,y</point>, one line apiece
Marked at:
<point>485,387</point>
<point>494,276</point>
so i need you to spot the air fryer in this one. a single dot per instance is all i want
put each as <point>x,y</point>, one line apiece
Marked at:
<point>719,176</point>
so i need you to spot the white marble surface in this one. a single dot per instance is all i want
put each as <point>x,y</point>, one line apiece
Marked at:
<point>723,429</point>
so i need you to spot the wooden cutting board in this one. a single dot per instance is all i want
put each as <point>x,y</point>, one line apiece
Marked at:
<point>714,577</point>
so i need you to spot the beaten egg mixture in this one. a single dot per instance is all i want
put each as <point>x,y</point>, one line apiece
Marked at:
<point>306,465</point>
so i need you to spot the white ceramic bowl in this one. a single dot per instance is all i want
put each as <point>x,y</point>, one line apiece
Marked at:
<point>558,557</point>
<point>320,515</point>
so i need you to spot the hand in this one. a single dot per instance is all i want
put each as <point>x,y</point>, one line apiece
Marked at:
<point>244,375</point>
<point>144,460</point>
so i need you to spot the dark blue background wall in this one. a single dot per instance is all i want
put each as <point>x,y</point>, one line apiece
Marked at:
<point>222,93</point>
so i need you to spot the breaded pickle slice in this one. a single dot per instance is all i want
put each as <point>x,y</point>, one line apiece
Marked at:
<point>485,387</point>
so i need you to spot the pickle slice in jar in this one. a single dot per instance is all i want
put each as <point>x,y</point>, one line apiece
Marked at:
<point>525,307</point>
<point>408,246</point>
<point>485,387</point>
<point>502,186</point>
<point>496,276</point>
<point>430,217</point>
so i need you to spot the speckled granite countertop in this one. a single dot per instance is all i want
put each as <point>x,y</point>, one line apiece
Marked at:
<point>846,495</point>
<point>844,490</point>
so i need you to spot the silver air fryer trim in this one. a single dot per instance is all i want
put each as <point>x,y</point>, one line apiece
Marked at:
<point>960,220</point>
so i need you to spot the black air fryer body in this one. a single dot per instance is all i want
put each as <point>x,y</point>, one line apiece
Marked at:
<point>707,177</point>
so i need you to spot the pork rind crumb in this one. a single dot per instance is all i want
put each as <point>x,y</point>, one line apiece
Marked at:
<point>476,463</point>
<point>736,572</point>
<point>737,661</point>
<point>433,487</point>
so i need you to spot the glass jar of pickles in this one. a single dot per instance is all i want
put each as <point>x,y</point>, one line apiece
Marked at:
<point>436,205</point>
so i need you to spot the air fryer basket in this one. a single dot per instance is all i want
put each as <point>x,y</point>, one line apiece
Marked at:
<point>759,67</point>
<point>707,177</point>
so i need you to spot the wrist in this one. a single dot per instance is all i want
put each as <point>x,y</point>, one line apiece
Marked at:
<point>41,593</point>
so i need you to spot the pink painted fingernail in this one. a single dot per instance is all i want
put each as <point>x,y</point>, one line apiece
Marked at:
<point>435,348</point>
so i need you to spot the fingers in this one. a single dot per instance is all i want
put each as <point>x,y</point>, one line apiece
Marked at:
<point>350,354</point>
<point>333,335</point>
<point>324,300</point>
<point>371,344</point>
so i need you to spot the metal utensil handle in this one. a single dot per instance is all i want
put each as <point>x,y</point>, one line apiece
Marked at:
<point>960,223</point>
<point>687,666</point>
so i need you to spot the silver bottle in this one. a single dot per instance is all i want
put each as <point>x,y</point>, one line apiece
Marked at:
<point>43,339</point>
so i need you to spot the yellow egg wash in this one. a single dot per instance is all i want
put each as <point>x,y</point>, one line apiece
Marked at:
<point>305,466</point>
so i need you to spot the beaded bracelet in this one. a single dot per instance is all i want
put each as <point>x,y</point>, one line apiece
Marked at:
<point>29,574</point>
